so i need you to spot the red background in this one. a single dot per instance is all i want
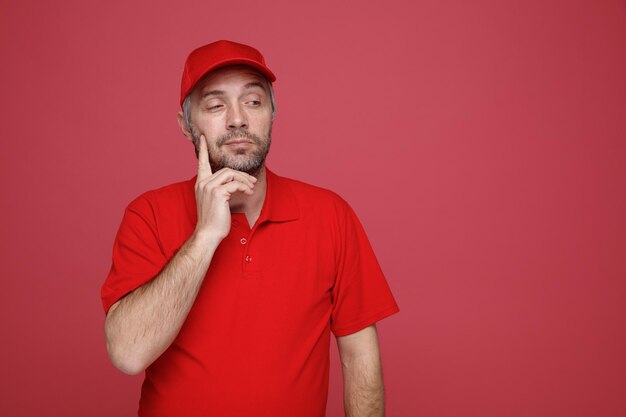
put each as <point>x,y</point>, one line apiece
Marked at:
<point>482,144</point>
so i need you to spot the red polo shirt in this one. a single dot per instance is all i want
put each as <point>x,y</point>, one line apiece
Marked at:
<point>256,341</point>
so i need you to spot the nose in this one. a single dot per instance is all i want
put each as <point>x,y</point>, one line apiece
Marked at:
<point>236,118</point>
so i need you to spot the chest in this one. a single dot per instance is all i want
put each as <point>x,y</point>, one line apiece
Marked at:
<point>290,264</point>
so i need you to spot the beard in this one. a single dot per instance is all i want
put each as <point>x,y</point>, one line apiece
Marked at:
<point>243,160</point>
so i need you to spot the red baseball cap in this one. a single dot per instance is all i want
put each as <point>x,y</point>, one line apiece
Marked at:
<point>219,54</point>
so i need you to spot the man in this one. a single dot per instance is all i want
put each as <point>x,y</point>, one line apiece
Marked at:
<point>225,288</point>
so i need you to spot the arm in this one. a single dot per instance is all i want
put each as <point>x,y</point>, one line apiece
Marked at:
<point>143,324</point>
<point>362,374</point>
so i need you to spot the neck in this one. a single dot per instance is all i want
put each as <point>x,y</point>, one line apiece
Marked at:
<point>251,205</point>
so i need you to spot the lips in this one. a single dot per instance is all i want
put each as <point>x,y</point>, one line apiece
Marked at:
<point>237,141</point>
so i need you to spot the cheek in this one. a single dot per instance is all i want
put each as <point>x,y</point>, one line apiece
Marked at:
<point>263,121</point>
<point>207,122</point>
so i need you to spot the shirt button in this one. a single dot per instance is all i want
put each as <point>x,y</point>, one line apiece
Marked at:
<point>243,241</point>
<point>248,258</point>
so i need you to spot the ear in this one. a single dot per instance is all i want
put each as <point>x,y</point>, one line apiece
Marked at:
<point>183,126</point>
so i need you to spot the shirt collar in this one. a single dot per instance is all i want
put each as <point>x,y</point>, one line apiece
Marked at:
<point>280,204</point>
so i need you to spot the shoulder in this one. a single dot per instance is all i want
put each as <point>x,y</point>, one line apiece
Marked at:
<point>309,196</point>
<point>319,208</point>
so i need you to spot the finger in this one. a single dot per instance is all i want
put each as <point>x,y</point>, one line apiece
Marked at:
<point>234,186</point>
<point>204,167</point>
<point>225,175</point>
<point>221,178</point>
<point>250,177</point>
<point>217,180</point>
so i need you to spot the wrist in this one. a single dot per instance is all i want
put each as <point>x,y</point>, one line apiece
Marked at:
<point>205,238</point>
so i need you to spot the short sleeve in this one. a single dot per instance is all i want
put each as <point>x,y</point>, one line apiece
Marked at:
<point>137,253</point>
<point>361,295</point>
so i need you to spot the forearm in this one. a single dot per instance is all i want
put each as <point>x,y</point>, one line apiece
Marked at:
<point>363,387</point>
<point>146,321</point>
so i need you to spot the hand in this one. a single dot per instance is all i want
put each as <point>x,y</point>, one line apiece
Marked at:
<point>213,192</point>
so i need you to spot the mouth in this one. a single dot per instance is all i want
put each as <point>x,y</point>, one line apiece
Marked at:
<point>238,142</point>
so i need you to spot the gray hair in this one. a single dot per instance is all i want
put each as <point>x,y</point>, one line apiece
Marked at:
<point>187,107</point>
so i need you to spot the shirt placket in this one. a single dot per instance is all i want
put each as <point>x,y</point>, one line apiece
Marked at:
<point>249,261</point>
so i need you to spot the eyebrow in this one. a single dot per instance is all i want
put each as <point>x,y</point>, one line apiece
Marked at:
<point>221,92</point>
<point>254,84</point>
<point>212,93</point>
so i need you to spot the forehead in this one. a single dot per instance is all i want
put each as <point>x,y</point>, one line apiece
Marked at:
<point>233,77</point>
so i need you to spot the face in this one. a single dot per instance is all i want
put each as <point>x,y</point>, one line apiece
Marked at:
<point>231,106</point>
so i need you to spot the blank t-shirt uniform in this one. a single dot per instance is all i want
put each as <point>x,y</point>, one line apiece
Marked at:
<point>256,340</point>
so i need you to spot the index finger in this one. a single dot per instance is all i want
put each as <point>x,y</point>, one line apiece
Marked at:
<point>204,168</point>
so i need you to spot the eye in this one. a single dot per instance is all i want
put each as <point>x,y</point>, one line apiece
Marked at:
<point>255,102</point>
<point>215,106</point>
